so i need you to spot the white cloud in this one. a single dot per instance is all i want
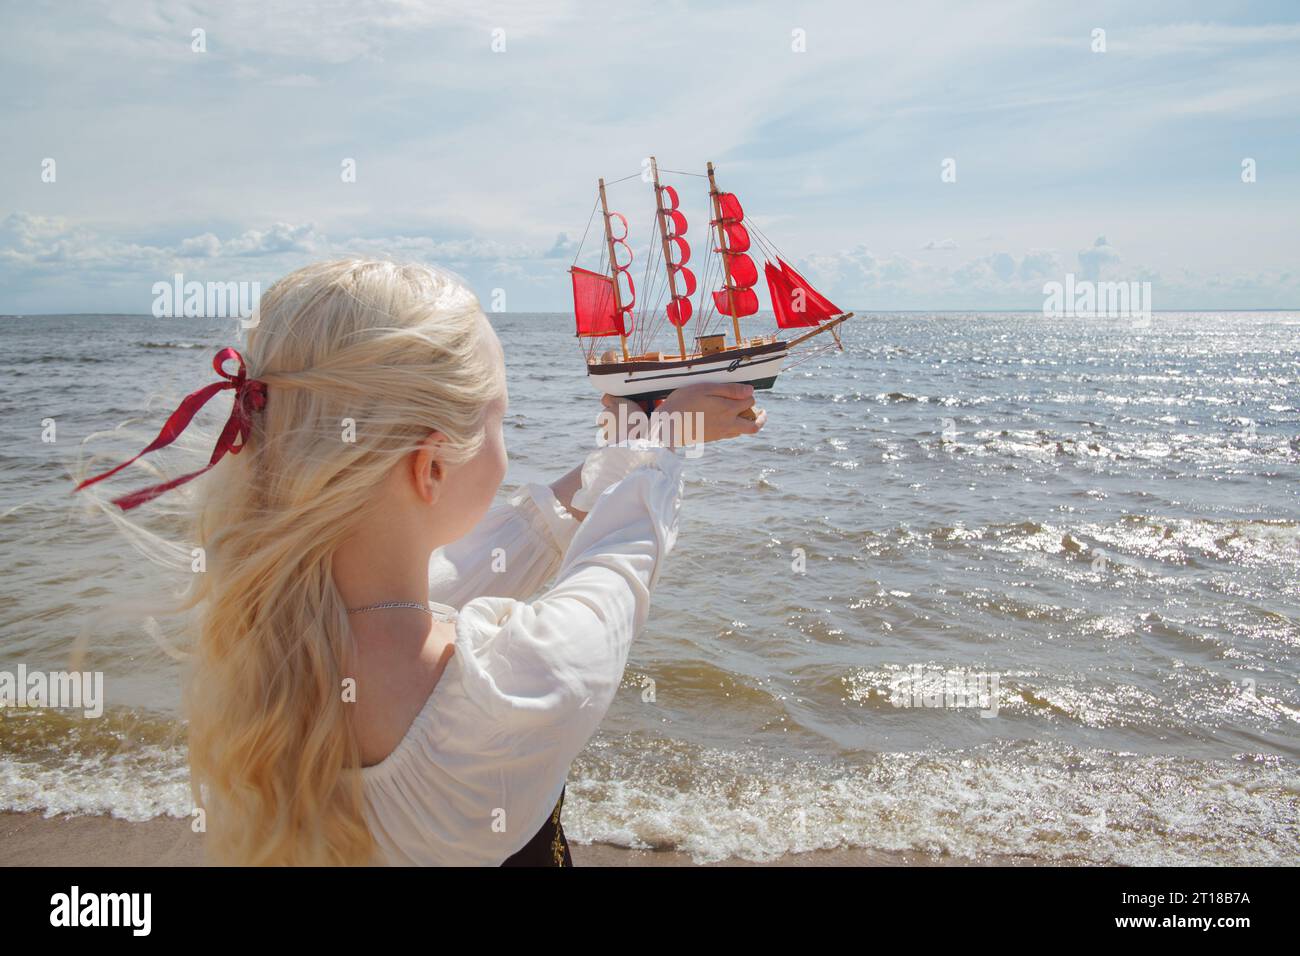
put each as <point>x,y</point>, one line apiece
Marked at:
<point>1191,38</point>
<point>94,271</point>
<point>1039,264</point>
<point>32,239</point>
<point>1099,254</point>
<point>29,242</point>
<point>278,238</point>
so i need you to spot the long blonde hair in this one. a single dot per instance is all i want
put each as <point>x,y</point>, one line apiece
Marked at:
<point>361,359</point>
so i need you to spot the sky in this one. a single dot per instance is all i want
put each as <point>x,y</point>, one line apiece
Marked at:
<point>478,130</point>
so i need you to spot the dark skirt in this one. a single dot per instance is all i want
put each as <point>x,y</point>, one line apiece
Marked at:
<point>548,847</point>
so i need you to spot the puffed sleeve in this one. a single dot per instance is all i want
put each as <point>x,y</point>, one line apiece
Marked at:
<point>512,551</point>
<point>544,673</point>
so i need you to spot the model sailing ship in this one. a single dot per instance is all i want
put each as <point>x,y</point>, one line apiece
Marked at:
<point>605,303</point>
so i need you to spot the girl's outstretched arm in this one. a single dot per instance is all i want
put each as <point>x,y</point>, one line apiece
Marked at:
<point>518,546</point>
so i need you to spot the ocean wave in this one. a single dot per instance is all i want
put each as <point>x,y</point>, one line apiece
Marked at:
<point>1136,544</point>
<point>1228,450</point>
<point>1241,541</point>
<point>1186,699</point>
<point>124,764</point>
<point>65,359</point>
<point>1044,801</point>
<point>1048,802</point>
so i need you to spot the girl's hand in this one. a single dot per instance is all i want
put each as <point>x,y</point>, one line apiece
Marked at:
<point>703,413</point>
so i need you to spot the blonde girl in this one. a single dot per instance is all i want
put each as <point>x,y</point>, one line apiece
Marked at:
<point>370,681</point>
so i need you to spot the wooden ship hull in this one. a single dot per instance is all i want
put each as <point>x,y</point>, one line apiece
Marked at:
<point>644,377</point>
<point>648,377</point>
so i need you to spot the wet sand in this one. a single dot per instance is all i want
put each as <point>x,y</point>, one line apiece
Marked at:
<point>30,839</point>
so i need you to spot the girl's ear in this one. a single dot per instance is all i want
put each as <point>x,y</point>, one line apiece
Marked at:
<point>427,469</point>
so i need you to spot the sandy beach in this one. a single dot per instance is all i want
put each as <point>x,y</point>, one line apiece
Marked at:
<point>30,839</point>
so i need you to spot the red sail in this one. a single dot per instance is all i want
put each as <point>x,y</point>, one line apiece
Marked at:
<point>678,221</point>
<point>746,302</point>
<point>622,266</point>
<point>621,218</point>
<point>742,271</point>
<point>683,251</point>
<point>807,300</point>
<point>687,278</point>
<point>778,286</point>
<point>729,208</point>
<point>626,298</point>
<point>737,237</point>
<point>682,280</point>
<point>679,311</point>
<point>593,304</point>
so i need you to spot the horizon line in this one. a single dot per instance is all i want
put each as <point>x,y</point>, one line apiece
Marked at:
<point>146,315</point>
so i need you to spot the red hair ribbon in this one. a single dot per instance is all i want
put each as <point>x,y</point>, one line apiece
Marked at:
<point>250,395</point>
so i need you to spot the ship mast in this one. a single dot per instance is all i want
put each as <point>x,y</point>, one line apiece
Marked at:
<point>663,238</point>
<point>722,244</point>
<point>613,265</point>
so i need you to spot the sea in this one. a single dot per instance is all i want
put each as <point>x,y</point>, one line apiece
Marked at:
<point>986,585</point>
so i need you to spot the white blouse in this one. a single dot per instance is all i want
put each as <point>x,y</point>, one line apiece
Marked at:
<point>482,765</point>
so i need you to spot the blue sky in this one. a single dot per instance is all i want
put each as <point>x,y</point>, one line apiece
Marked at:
<point>225,165</point>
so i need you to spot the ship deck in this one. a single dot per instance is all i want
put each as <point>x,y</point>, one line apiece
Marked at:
<point>611,358</point>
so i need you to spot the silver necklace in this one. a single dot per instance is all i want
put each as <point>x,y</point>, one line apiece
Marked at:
<point>377,607</point>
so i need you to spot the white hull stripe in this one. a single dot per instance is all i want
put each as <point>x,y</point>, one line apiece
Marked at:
<point>626,383</point>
